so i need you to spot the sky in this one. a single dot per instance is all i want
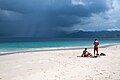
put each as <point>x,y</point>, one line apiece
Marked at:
<point>50,18</point>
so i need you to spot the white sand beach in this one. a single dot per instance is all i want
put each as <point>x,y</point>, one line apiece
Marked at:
<point>61,65</point>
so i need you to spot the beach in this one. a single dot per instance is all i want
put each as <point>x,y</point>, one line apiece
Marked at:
<point>61,65</point>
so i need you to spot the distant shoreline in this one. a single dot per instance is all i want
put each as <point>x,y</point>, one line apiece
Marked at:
<point>37,39</point>
<point>56,49</point>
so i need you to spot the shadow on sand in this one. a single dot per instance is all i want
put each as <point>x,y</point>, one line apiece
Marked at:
<point>89,57</point>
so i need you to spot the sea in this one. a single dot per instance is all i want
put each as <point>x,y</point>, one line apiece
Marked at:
<point>19,44</point>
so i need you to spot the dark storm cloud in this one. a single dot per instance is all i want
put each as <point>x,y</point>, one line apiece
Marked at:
<point>44,18</point>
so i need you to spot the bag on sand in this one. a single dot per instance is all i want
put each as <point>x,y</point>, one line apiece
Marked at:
<point>102,54</point>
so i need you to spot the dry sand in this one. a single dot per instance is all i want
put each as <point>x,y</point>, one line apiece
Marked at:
<point>61,65</point>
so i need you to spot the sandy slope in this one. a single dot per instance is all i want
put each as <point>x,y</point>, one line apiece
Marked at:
<point>61,65</point>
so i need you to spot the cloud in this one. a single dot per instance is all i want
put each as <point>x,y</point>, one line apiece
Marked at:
<point>48,18</point>
<point>108,20</point>
<point>9,15</point>
<point>78,2</point>
<point>114,29</point>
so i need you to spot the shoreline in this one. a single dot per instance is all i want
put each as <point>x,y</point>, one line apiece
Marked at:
<point>56,49</point>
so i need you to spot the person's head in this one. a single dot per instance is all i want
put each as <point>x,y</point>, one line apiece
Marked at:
<point>85,48</point>
<point>95,39</point>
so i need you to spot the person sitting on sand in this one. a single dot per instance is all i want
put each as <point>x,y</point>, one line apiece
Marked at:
<point>86,53</point>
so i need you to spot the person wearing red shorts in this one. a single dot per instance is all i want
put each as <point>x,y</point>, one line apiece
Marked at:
<point>96,43</point>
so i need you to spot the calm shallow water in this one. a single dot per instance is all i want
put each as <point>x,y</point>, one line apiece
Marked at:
<point>18,46</point>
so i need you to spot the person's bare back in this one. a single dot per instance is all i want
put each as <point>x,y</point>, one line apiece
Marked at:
<point>86,53</point>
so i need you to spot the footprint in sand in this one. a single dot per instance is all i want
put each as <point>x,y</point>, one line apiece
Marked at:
<point>88,78</point>
<point>98,74</point>
<point>62,73</point>
<point>30,69</point>
<point>96,71</point>
<point>113,72</point>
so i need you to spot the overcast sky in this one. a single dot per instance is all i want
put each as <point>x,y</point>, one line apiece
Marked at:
<point>48,18</point>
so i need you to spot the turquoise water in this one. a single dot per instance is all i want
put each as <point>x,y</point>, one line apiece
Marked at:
<point>17,46</point>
